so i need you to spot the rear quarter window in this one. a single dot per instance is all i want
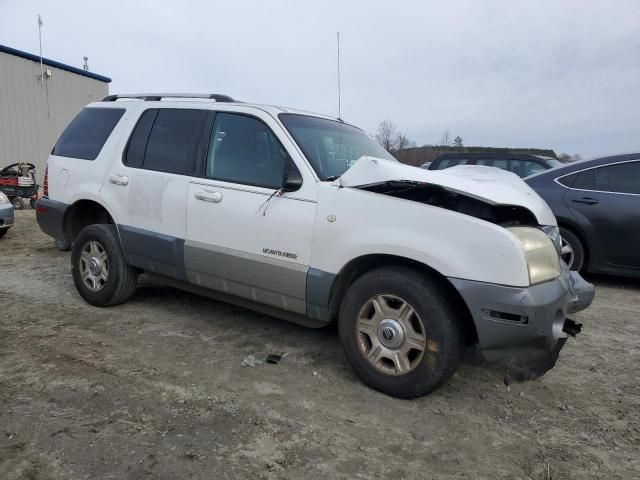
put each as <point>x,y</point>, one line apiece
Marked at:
<point>85,136</point>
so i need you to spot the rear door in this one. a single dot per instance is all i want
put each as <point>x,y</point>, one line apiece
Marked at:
<point>244,238</point>
<point>606,201</point>
<point>147,189</point>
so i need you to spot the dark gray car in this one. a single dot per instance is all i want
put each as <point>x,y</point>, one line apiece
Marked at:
<point>597,204</point>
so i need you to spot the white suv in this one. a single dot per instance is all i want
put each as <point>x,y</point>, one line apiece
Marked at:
<point>306,218</point>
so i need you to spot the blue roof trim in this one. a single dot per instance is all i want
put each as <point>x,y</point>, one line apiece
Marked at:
<point>53,63</point>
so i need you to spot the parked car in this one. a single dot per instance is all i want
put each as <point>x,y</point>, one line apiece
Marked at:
<point>521,165</point>
<point>597,204</point>
<point>306,218</point>
<point>6,214</point>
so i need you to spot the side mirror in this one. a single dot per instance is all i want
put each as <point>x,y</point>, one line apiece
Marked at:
<point>292,179</point>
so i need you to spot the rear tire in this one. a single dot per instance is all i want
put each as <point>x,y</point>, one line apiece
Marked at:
<point>399,331</point>
<point>577,253</point>
<point>100,271</point>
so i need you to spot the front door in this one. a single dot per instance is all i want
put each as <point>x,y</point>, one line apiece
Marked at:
<point>244,238</point>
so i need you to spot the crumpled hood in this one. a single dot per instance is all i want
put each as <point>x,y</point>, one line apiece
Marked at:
<point>489,184</point>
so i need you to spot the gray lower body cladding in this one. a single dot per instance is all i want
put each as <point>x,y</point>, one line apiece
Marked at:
<point>270,281</point>
<point>6,215</point>
<point>523,327</point>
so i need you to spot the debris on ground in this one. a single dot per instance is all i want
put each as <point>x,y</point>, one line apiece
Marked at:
<point>275,359</point>
<point>250,361</point>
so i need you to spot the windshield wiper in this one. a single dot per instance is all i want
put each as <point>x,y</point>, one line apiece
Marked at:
<point>331,178</point>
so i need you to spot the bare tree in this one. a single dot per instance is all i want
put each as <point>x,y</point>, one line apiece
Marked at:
<point>445,139</point>
<point>387,135</point>
<point>402,142</point>
<point>457,141</point>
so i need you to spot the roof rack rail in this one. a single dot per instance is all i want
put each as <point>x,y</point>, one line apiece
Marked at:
<point>154,97</point>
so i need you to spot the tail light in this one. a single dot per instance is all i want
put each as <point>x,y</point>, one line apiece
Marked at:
<point>45,183</point>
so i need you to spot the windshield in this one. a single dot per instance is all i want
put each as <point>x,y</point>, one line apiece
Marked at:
<point>330,146</point>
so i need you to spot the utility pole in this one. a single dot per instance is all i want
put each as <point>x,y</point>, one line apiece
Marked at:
<point>40,22</point>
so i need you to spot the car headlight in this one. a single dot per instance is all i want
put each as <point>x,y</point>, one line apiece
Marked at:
<point>543,260</point>
<point>3,198</point>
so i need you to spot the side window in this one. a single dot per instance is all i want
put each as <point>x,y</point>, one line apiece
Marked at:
<point>492,162</point>
<point>620,178</point>
<point>243,149</point>
<point>85,136</point>
<point>524,168</point>
<point>452,162</point>
<point>134,156</point>
<point>567,180</point>
<point>173,141</point>
<point>584,180</point>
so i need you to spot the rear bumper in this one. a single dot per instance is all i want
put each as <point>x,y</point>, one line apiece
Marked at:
<point>50,216</point>
<point>525,328</point>
<point>6,215</point>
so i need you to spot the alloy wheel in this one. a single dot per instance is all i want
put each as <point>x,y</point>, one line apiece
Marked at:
<point>94,266</point>
<point>391,335</point>
<point>566,252</point>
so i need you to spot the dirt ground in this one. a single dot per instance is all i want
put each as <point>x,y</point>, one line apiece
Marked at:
<point>155,388</point>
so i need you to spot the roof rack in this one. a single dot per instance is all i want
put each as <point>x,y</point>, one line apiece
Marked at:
<point>154,97</point>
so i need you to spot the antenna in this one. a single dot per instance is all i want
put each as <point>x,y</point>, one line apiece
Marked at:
<point>40,22</point>
<point>339,89</point>
<point>85,66</point>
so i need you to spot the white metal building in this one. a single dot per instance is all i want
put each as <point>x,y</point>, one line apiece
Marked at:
<point>35,108</point>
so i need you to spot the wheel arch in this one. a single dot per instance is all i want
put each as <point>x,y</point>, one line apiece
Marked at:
<point>357,267</point>
<point>83,213</point>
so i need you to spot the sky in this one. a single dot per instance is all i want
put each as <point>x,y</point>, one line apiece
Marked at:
<point>545,74</point>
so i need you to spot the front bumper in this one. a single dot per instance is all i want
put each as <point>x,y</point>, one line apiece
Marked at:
<point>525,328</point>
<point>7,215</point>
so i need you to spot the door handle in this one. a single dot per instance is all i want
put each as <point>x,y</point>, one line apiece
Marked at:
<point>121,180</point>
<point>207,196</point>
<point>586,200</point>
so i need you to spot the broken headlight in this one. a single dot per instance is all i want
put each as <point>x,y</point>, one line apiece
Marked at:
<point>543,260</point>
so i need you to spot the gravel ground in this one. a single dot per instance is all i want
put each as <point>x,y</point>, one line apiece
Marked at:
<point>156,388</point>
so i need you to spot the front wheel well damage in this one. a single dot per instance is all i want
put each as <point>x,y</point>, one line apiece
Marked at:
<point>361,265</point>
<point>82,214</point>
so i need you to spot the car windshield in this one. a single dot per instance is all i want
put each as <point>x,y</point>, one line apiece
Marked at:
<point>330,146</point>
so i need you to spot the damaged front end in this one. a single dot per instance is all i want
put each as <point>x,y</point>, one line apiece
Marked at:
<point>520,328</point>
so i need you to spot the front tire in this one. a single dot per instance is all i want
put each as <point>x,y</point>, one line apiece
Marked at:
<point>99,268</point>
<point>3,232</point>
<point>399,331</point>
<point>573,251</point>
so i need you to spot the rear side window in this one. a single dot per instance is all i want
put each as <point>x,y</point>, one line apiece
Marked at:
<point>585,180</point>
<point>137,147</point>
<point>567,180</point>
<point>620,178</point>
<point>85,136</point>
<point>166,140</point>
